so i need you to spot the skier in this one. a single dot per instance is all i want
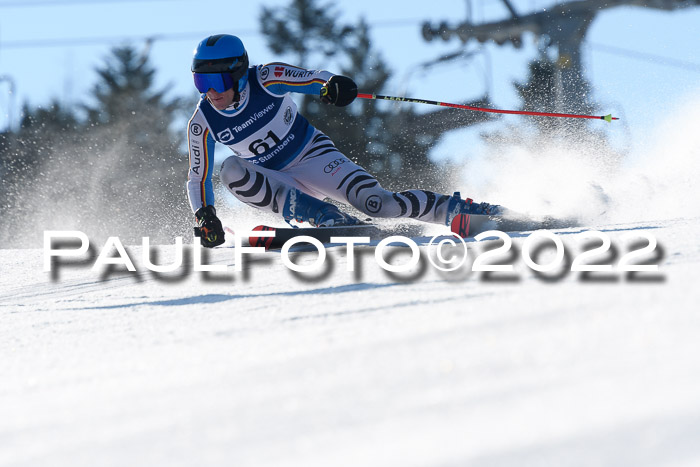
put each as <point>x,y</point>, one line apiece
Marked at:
<point>282,163</point>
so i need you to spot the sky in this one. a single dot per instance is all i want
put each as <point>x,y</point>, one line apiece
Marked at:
<point>643,63</point>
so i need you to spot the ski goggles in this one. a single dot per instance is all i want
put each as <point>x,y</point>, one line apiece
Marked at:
<point>219,82</point>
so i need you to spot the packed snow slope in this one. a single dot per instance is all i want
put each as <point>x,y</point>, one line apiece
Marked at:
<point>266,367</point>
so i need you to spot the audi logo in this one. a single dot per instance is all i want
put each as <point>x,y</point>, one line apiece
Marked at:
<point>329,168</point>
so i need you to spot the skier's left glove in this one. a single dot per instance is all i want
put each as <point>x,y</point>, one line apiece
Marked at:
<point>209,228</point>
<point>339,90</point>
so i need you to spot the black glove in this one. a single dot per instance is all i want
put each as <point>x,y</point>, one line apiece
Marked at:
<point>208,228</point>
<point>339,90</point>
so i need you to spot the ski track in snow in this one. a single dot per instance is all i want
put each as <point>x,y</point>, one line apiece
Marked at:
<point>264,368</point>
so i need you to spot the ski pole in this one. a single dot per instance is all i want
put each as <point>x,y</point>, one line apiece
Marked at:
<point>608,118</point>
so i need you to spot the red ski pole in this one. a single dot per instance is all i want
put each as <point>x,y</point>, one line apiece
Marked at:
<point>607,118</point>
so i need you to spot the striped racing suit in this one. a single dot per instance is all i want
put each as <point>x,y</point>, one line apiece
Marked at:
<point>276,149</point>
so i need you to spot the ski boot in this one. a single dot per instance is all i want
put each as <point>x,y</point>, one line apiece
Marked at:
<point>459,214</point>
<point>457,206</point>
<point>304,208</point>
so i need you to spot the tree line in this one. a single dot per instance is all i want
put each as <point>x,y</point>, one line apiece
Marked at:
<point>116,165</point>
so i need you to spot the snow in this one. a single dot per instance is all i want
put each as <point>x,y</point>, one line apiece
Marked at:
<point>268,368</point>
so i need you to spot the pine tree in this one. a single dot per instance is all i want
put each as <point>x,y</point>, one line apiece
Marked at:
<point>131,135</point>
<point>304,29</point>
<point>539,92</point>
<point>392,142</point>
<point>25,154</point>
<point>118,171</point>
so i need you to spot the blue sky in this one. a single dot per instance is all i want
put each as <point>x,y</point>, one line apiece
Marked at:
<point>642,62</point>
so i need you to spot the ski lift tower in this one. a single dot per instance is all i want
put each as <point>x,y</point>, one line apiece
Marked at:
<point>562,26</point>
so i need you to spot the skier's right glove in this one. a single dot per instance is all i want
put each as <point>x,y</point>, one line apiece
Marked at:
<point>209,228</point>
<point>339,90</point>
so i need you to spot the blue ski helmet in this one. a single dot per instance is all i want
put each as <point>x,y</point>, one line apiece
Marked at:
<point>220,62</point>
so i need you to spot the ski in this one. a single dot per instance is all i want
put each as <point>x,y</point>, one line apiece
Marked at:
<point>470,225</point>
<point>322,234</point>
<point>464,225</point>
